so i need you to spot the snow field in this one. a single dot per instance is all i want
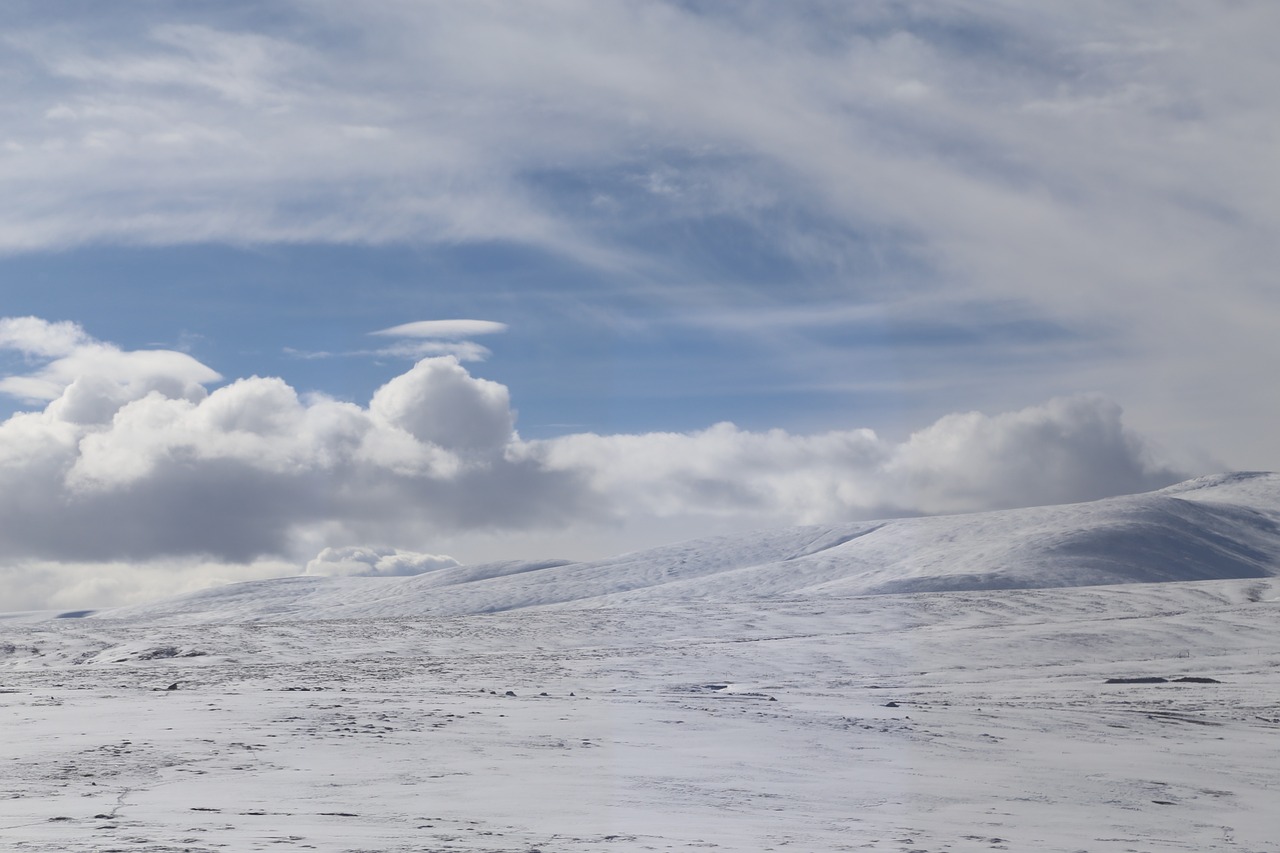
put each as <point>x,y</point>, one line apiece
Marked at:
<point>750,726</point>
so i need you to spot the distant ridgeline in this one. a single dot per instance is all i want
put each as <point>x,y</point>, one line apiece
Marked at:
<point>1220,527</point>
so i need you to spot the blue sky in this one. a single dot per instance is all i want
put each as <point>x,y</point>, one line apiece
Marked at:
<point>911,258</point>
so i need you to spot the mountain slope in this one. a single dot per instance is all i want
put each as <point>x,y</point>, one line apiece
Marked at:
<point>1227,526</point>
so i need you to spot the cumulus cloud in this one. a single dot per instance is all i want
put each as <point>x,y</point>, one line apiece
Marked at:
<point>134,464</point>
<point>1070,449</point>
<point>93,378</point>
<point>129,465</point>
<point>440,403</point>
<point>375,562</point>
<point>36,337</point>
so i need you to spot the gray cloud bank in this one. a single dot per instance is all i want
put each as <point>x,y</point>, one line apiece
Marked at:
<point>140,464</point>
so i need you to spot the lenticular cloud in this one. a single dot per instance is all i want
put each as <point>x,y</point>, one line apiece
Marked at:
<point>133,458</point>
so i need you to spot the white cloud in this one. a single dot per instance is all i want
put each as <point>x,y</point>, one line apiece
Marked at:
<point>443,329</point>
<point>412,349</point>
<point>440,403</point>
<point>1067,450</point>
<point>116,471</point>
<point>424,339</point>
<point>1023,136</point>
<point>36,337</point>
<point>92,379</point>
<point>375,562</point>
<point>36,584</point>
<point>1085,161</point>
<point>111,470</point>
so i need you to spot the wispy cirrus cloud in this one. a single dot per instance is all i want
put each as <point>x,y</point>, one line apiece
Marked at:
<point>424,338</point>
<point>1070,163</point>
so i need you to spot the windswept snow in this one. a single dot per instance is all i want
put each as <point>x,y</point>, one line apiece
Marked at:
<point>963,721</point>
<point>730,695</point>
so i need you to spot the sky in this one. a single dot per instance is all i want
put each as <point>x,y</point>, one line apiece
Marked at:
<point>374,288</point>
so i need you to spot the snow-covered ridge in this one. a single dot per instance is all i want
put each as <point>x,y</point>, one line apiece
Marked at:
<point>1226,526</point>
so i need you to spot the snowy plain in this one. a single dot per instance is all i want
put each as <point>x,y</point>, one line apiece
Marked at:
<point>933,684</point>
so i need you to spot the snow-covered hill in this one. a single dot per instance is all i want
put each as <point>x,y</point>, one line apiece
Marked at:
<point>1220,527</point>
<point>737,694</point>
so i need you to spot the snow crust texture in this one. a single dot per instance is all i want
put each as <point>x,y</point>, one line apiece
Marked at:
<point>935,722</point>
